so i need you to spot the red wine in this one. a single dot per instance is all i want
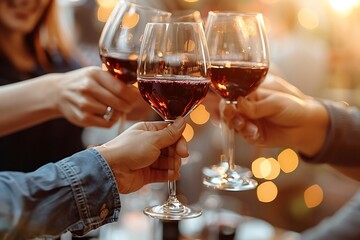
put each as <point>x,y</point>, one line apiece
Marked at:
<point>123,69</point>
<point>231,82</point>
<point>172,97</point>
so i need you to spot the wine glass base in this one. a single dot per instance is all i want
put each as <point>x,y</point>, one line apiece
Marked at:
<point>220,177</point>
<point>162,213</point>
<point>172,210</point>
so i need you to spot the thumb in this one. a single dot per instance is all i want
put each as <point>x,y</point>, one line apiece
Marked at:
<point>171,134</point>
<point>264,104</point>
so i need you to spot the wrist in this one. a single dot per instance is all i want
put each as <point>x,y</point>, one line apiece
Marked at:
<point>315,128</point>
<point>49,97</point>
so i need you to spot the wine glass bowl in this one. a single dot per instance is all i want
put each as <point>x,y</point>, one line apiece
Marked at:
<point>173,79</point>
<point>239,56</point>
<point>120,40</point>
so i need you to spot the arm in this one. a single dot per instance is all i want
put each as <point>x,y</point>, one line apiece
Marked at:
<point>78,193</point>
<point>322,131</point>
<point>81,193</point>
<point>80,96</point>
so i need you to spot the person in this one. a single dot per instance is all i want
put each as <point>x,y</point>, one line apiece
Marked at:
<point>321,130</point>
<point>48,117</point>
<point>81,192</point>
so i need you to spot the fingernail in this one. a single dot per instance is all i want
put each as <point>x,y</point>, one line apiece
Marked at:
<point>178,122</point>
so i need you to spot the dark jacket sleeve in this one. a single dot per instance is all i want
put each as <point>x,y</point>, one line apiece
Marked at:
<point>342,145</point>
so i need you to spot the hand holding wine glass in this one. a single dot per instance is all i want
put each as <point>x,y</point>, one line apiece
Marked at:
<point>239,63</point>
<point>173,79</point>
<point>120,40</point>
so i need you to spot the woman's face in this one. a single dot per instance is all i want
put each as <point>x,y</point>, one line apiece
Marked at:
<point>21,15</point>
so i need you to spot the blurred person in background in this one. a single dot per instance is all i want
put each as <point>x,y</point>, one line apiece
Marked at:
<point>81,192</point>
<point>297,54</point>
<point>322,131</point>
<point>52,109</point>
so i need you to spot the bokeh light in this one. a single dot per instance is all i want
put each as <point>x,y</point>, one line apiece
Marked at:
<point>107,3</point>
<point>344,7</point>
<point>105,9</point>
<point>288,160</point>
<point>308,18</point>
<point>188,132</point>
<point>267,192</point>
<point>103,14</point>
<point>274,169</point>
<point>313,196</point>
<point>200,115</point>
<point>256,167</point>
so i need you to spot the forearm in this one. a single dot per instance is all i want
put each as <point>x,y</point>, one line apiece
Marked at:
<point>77,194</point>
<point>27,103</point>
<point>342,145</point>
<point>314,130</point>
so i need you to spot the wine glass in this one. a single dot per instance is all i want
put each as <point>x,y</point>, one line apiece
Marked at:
<point>239,56</point>
<point>173,78</point>
<point>120,40</point>
<point>188,15</point>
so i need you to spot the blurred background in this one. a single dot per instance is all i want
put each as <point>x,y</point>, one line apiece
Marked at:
<point>313,45</point>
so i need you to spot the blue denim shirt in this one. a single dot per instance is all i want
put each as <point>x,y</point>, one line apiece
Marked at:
<point>76,194</point>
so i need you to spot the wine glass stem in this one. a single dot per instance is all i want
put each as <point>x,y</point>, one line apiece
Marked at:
<point>229,136</point>
<point>172,188</point>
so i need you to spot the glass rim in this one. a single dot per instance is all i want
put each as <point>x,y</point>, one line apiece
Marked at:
<point>162,12</point>
<point>173,23</point>
<point>233,13</point>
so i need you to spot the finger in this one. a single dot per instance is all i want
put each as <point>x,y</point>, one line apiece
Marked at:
<point>182,148</point>
<point>163,175</point>
<point>171,134</point>
<point>87,103</point>
<point>118,102</point>
<point>149,126</point>
<point>162,163</point>
<point>268,103</point>
<point>116,90</point>
<point>273,82</point>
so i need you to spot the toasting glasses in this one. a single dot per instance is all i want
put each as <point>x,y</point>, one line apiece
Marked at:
<point>173,79</point>
<point>239,56</point>
<point>120,40</point>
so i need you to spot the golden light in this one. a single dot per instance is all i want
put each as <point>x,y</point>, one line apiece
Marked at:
<point>267,192</point>
<point>313,196</point>
<point>274,168</point>
<point>191,1</point>
<point>265,168</point>
<point>133,56</point>
<point>200,116</point>
<point>288,160</point>
<point>188,133</point>
<point>130,19</point>
<point>343,7</point>
<point>103,13</point>
<point>308,18</point>
<point>256,167</point>
<point>107,3</point>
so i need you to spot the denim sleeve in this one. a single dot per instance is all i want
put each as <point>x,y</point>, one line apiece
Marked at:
<point>78,193</point>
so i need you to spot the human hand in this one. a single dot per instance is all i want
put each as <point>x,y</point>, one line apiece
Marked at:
<point>280,117</point>
<point>146,152</point>
<point>82,96</point>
